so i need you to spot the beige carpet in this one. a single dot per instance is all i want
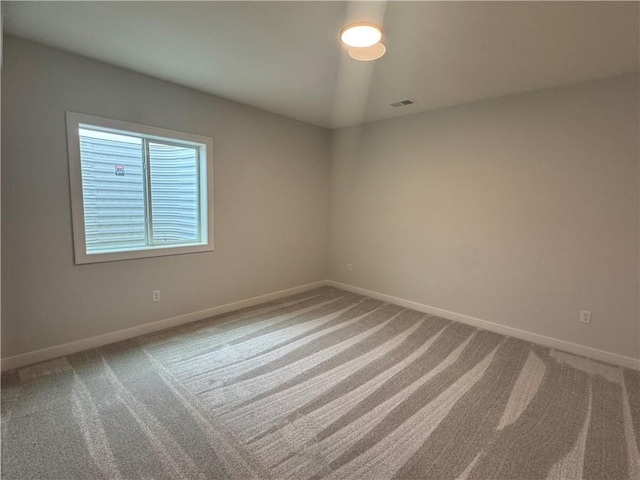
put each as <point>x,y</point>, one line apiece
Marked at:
<point>324,384</point>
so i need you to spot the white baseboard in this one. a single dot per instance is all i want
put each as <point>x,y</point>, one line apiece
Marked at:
<point>100,340</point>
<point>29,358</point>
<point>551,342</point>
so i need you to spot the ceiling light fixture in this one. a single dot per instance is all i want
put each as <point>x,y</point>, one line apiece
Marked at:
<point>361,35</point>
<point>366,54</point>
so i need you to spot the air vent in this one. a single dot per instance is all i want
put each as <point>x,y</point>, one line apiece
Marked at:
<point>402,103</point>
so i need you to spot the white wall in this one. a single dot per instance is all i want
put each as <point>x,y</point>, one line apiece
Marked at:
<point>271,202</point>
<point>520,211</point>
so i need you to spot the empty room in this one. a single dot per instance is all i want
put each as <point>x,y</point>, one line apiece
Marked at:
<point>320,240</point>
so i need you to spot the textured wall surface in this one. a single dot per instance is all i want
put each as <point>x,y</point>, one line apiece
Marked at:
<point>521,211</point>
<point>271,188</point>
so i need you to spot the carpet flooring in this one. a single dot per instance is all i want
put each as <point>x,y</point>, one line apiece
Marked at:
<point>324,384</point>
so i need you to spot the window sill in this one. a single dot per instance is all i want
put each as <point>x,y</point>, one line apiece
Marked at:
<point>149,252</point>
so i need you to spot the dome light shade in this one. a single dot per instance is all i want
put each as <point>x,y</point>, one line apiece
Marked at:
<point>366,54</point>
<point>361,35</point>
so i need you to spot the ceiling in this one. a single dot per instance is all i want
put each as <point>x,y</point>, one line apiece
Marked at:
<point>285,57</point>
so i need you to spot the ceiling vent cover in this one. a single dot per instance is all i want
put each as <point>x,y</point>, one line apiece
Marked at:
<point>403,103</point>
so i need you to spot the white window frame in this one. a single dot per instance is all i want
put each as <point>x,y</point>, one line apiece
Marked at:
<point>75,121</point>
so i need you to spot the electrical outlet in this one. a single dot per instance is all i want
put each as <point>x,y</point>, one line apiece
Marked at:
<point>156,295</point>
<point>349,267</point>
<point>585,317</point>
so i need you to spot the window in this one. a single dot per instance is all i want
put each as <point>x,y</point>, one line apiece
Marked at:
<point>138,191</point>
